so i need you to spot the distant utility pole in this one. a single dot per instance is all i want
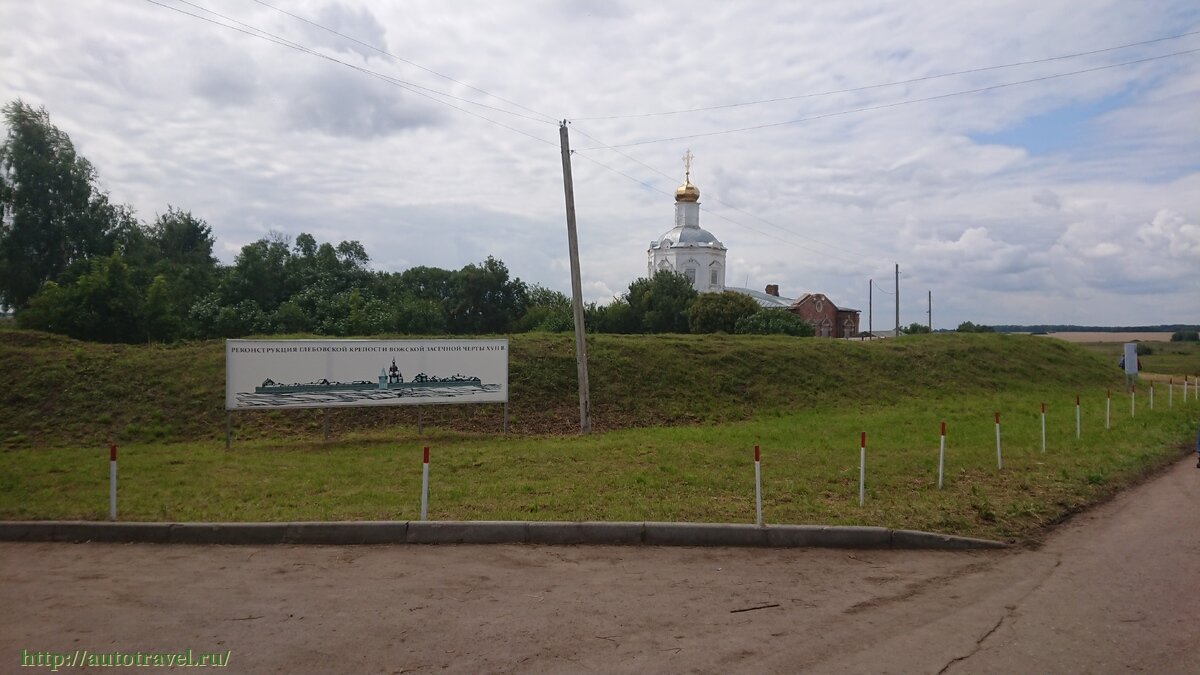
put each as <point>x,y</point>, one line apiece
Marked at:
<point>897,299</point>
<point>870,298</point>
<point>585,412</point>
<point>929,312</point>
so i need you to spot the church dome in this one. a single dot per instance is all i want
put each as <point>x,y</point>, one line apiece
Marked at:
<point>687,192</point>
<point>688,236</point>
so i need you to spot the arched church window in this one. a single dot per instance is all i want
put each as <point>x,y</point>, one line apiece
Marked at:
<point>690,273</point>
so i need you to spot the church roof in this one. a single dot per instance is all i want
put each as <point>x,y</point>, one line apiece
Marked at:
<point>681,235</point>
<point>763,299</point>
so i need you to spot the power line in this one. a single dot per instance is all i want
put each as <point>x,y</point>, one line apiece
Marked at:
<point>414,64</point>
<point>725,204</point>
<point>895,104</point>
<point>708,211</point>
<point>885,84</point>
<point>407,86</point>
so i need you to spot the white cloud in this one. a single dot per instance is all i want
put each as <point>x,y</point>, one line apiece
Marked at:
<point>252,136</point>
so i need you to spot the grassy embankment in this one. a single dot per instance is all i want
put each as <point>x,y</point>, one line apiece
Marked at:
<point>677,447</point>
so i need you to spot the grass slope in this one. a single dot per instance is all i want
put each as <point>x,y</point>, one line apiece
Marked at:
<point>59,391</point>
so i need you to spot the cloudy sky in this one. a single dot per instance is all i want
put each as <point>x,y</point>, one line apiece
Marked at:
<point>430,136</point>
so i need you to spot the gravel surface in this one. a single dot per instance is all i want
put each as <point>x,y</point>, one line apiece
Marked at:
<point>1114,590</point>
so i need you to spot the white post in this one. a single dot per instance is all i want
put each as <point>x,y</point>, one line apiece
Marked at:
<point>1108,410</point>
<point>941,454</point>
<point>1152,396</point>
<point>112,481</point>
<point>1133,401</point>
<point>999,460</point>
<point>425,486</point>
<point>1185,383</point>
<point>1171,394</point>
<point>757,489</point>
<point>1043,427</point>
<point>862,470</point>
<point>1078,428</point>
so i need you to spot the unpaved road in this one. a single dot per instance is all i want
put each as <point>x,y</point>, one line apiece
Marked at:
<point>1115,590</point>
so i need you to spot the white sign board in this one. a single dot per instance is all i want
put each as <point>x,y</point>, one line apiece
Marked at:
<point>1131,360</point>
<point>267,374</point>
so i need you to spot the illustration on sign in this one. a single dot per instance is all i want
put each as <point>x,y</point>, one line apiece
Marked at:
<point>329,373</point>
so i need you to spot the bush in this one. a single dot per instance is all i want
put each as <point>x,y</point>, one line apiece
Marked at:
<point>1144,349</point>
<point>719,312</point>
<point>1185,336</point>
<point>774,322</point>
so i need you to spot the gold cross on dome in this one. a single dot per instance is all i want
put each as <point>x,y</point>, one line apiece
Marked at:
<point>687,166</point>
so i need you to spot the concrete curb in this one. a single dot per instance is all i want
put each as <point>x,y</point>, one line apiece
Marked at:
<point>490,532</point>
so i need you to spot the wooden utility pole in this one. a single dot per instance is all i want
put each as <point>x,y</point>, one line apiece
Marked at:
<point>585,406</point>
<point>897,299</point>
<point>870,314</point>
<point>929,312</point>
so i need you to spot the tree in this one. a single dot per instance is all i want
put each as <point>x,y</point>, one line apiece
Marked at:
<point>52,214</point>
<point>968,327</point>
<point>103,305</point>
<point>659,304</point>
<point>1185,336</point>
<point>776,321</point>
<point>915,328</point>
<point>719,312</point>
<point>484,300</point>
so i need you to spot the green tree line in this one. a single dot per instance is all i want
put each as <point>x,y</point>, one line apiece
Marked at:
<point>73,262</point>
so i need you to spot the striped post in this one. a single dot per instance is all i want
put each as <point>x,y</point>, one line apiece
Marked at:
<point>1108,409</point>
<point>1043,427</point>
<point>757,487</point>
<point>112,481</point>
<point>862,470</point>
<point>1133,400</point>
<point>941,454</point>
<point>999,459</point>
<point>1152,396</point>
<point>1078,428</point>
<point>425,485</point>
<point>1171,394</point>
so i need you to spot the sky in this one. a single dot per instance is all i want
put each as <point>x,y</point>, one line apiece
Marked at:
<point>429,131</point>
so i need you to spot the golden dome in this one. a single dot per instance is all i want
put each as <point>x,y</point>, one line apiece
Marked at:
<point>687,192</point>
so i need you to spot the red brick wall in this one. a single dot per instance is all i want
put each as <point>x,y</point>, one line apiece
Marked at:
<point>826,319</point>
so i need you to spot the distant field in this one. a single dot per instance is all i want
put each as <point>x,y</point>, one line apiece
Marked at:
<point>1101,336</point>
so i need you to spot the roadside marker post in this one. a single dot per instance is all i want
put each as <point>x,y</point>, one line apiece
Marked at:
<point>425,485</point>
<point>112,481</point>
<point>1171,394</point>
<point>941,454</point>
<point>1133,400</point>
<point>1078,428</point>
<point>1152,396</point>
<point>999,460</point>
<point>862,470</point>
<point>1043,428</point>
<point>1185,383</point>
<point>1108,409</point>
<point>757,488</point>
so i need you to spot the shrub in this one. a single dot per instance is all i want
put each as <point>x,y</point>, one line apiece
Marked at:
<point>774,322</point>
<point>719,312</point>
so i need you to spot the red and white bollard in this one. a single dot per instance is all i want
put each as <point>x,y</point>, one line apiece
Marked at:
<point>1043,428</point>
<point>1152,396</point>
<point>1133,400</point>
<point>999,460</point>
<point>862,470</point>
<point>112,481</point>
<point>757,488</point>
<point>1171,394</point>
<point>425,485</point>
<point>941,454</point>
<point>1108,409</point>
<point>1078,426</point>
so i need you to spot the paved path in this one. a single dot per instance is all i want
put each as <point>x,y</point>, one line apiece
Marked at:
<point>1116,590</point>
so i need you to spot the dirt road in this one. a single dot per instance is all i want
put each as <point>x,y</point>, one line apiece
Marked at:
<point>1115,590</point>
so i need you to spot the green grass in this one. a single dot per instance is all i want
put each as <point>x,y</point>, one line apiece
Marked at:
<point>1166,358</point>
<point>677,418</point>
<point>697,474</point>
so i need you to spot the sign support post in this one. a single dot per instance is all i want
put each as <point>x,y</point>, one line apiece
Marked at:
<point>112,481</point>
<point>425,485</point>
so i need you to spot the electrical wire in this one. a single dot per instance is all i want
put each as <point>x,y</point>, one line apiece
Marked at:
<point>414,64</point>
<point>885,84</point>
<point>407,86</point>
<point>894,104</point>
<point>725,204</point>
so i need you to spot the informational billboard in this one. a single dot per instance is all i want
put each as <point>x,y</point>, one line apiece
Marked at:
<point>267,374</point>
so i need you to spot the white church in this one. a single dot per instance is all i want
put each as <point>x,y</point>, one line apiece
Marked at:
<point>687,248</point>
<point>697,254</point>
